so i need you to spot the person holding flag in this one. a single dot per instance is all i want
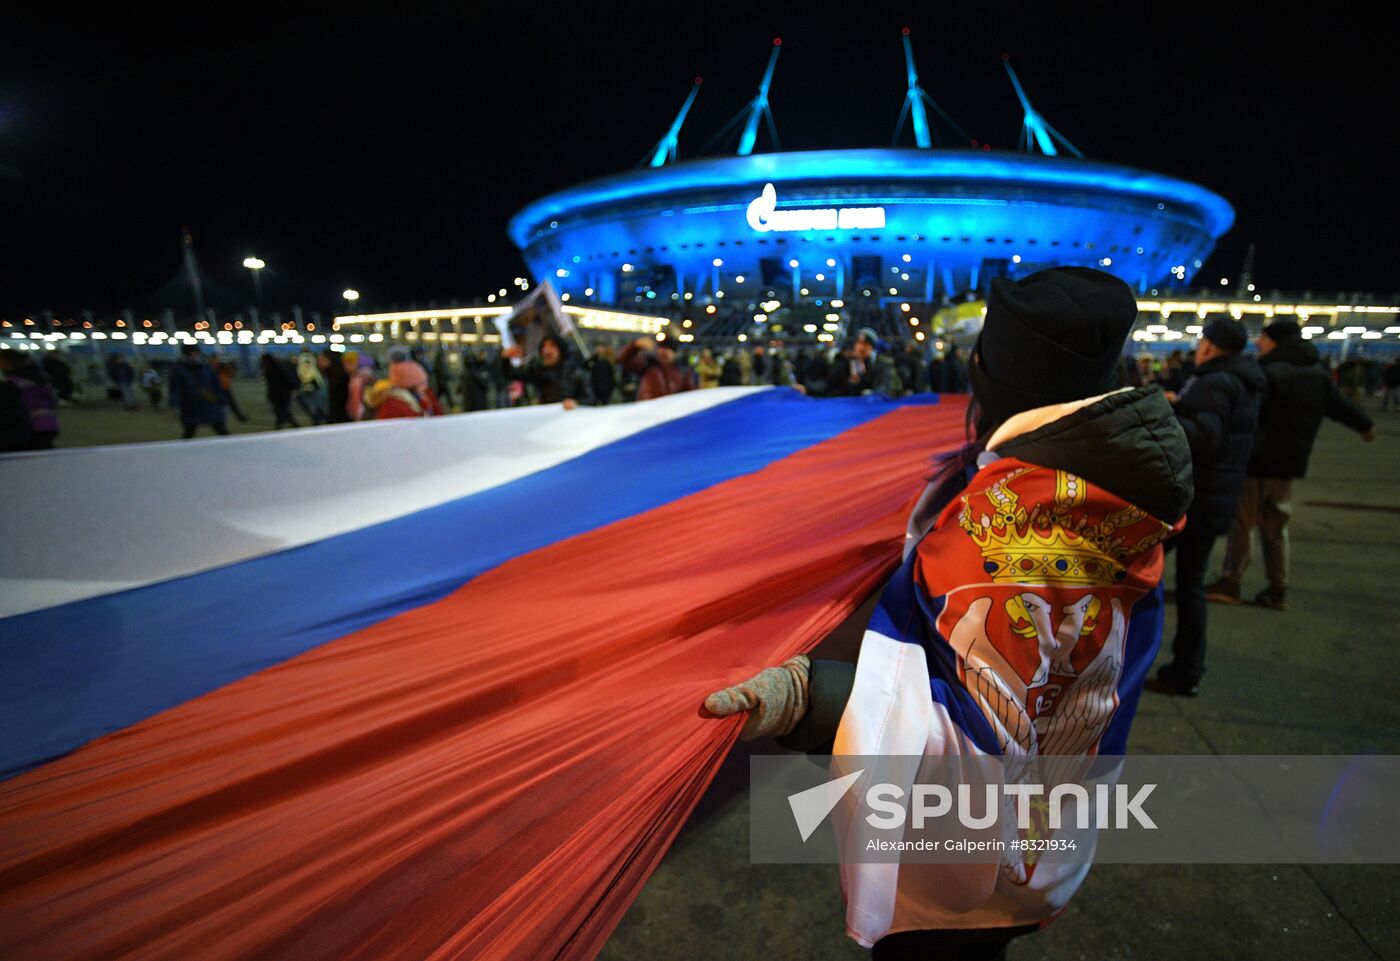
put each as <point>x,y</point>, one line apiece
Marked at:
<point>1024,618</point>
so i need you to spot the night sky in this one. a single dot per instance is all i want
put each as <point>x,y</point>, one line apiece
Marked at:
<point>387,151</point>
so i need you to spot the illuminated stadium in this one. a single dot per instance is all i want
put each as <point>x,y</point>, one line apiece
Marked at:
<point>862,227</point>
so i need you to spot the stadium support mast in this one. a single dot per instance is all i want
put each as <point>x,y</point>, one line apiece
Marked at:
<point>192,271</point>
<point>915,102</point>
<point>758,107</point>
<point>1035,130</point>
<point>665,151</point>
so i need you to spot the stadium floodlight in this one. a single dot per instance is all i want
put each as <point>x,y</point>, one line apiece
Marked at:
<point>254,265</point>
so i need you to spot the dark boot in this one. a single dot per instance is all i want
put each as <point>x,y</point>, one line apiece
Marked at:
<point>1171,681</point>
<point>1223,591</point>
<point>1271,598</point>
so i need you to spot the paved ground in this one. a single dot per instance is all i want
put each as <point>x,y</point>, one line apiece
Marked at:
<point>1315,679</point>
<point>88,423</point>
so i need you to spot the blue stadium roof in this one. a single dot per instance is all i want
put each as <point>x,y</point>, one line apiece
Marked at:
<point>887,164</point>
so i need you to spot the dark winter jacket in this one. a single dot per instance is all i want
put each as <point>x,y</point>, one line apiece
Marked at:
<point>337,392</point>
<point>602,379</point>
<point>1219,411</point>
<point>15,432</point>
<point>280,381</point>
<point>657,377</point>
<point>196,391</point>
<point>1299,394</point>
<point>1129,443</point>
<point>878,375</point>
<point>39,399</point>
<point>553,384</point>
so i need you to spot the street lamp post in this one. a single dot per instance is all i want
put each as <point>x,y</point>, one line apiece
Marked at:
<point>351,295</point>
<point>255,266</point>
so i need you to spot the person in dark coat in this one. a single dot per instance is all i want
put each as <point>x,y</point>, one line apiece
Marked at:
<point>551,372</point>
<point>36,395</point>
<point>1219,412</point>
<point>15,433</point>
<point>337,386</point>
<point>602,376</point>
<point>60,375</point>
<point>654,364</point>
<point>954,372</point>
<point>935,373</point>
<point>865,369</point>
<point>196,393</point>
<point>1299,394</point>
<point>281,384</point>
<point>911,368</point>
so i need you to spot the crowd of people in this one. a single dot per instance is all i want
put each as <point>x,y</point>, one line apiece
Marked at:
<point>330,386</point>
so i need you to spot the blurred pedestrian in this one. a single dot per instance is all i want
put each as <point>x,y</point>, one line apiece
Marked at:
<point>708,369</point>
<point>281,384</point>
<point>1390,380</point>
<point>475,381</point>
<point>954,372</point>
<point>226,371</point>
<point>442,379</point>
<point>60,375</point>
<point>408,393</point>
<point>866,368</point>
<point>910,364</point>
<point>311,388</point>
<point>36,395</point>
<point>602,375</point>
<point>360,372</point>
<point>196,393</point>
<point>551,373</point>
<point>151,384</point>
<point>122,377</point>
<point>654,363</point>
<point>1351,379</point>
<point>15,432</point>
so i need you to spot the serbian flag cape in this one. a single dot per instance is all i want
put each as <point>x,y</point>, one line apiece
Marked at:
<point>410,689</point>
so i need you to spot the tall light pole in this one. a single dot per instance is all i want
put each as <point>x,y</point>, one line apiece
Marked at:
<point>255,267</point>
<point>351,295</point>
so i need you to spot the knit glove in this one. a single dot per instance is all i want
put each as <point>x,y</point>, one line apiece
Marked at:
<point>776,699</point>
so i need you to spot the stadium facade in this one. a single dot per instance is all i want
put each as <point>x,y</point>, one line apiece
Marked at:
<point>878,225</point>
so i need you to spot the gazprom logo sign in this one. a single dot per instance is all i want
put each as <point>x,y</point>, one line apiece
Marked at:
<point>764,216</point>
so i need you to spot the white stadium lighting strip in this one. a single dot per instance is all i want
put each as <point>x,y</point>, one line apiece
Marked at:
<point>593,318</point>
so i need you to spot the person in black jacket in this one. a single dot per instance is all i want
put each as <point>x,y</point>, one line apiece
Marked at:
<point>867,368</point>
<point>1219,410</point>
<point>281,384</point>
<point>602,376</point>
<point>1299,394</point>
<point>554,376</point>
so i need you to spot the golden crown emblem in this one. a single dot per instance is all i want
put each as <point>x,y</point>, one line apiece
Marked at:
<point>1055,541</point>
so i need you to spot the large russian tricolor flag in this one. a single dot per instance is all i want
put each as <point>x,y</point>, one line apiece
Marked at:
<point>409,690</point>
